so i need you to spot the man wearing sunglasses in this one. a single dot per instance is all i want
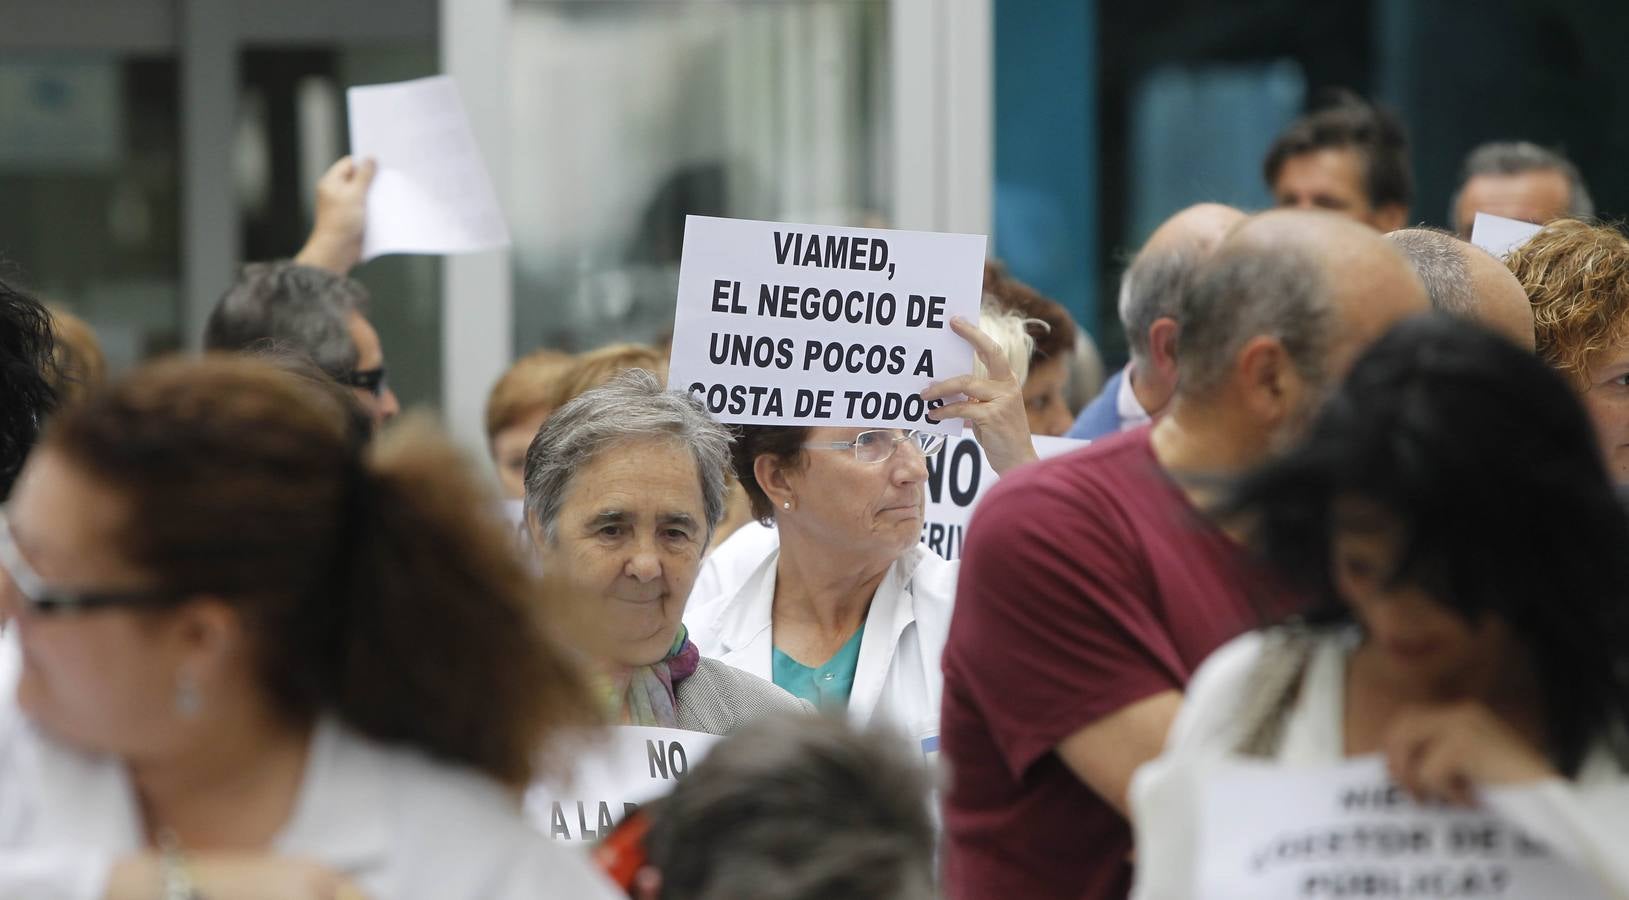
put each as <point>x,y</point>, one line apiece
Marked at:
<point>308,305</point>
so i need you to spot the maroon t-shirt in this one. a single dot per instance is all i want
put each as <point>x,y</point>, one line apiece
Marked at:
<point>1088,582</point>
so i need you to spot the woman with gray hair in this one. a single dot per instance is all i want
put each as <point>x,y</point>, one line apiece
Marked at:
<point>624,487</point>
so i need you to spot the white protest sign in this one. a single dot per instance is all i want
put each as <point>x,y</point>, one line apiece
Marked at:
<point>1347,831</point>
<point>781,324</point>
<point>958,477</point>
<point>432,193</point>
<point>1499,235</point>
<point>634,764</point>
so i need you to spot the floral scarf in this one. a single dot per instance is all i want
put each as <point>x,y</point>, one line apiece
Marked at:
<point>644,695</point>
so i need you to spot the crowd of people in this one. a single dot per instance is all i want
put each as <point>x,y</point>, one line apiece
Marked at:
<point>1357,491</point>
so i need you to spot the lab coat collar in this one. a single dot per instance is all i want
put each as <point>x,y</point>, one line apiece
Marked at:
<point>744,621</point>
<point>893,609</point>
<point>744,626</point>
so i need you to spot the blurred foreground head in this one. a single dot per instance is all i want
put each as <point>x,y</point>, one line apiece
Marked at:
<point>213,541</point>
<point>27,376</point>
<point>795,808</point>
<point>1450,500</point>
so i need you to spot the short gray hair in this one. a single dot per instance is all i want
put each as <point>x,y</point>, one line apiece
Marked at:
<point>630,407</point>
<point>1516,158</point>
<point>1439,259</point>
<point>289,307</point>
<point>797,808</point>
<point>1244,291</point>
<point>1151,289</point>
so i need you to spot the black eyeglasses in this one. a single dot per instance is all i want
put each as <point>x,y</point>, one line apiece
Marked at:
<point>370,380</point>
<point>42,599</point>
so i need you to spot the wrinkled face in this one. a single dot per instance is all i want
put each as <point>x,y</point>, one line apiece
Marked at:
<point>1043,397</point>
<point>1538,197</point>
<point>370,355</point>
<point>858,509</point>
<point>103,680</point>
<point>630,535</point>
<point>1330,179</point>
<point>1421,644</point>
<point>509,446</point>
<point>1606,399</point>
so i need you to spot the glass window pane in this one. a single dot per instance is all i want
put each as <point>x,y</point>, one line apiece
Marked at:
<point>89,144</point>
<point>627,116</point>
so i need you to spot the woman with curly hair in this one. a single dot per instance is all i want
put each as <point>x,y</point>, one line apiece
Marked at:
<point>1576,274</point>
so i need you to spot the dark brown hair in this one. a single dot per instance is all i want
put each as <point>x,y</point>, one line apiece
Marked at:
<point>1047,321</point>
<point>374,585</point>
<point>1348,122</point>
<point>784,442</point>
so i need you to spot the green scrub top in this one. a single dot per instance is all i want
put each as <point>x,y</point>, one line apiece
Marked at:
<point>828,686</point>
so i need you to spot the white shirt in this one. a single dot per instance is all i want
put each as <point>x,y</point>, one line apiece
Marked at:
<point>403,826</point>
<point>733,560</point>
<point>11,668</point>
<point>897,679</point>
<point>1590,813</point>
<point>1127,406</point>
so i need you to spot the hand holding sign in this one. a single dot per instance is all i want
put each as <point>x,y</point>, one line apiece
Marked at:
<point>994,405</point>
<point>342,216</point>
<point>1447,752</point>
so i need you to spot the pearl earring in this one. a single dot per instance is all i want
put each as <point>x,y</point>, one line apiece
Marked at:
<point>786,504</point>
<point>188,701</point>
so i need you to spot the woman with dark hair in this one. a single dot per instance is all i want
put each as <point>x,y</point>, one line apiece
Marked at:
<point>1451,516</point>
<point>847,610</point>
<point>262,657</point>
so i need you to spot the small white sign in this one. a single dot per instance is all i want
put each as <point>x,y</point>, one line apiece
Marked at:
<point>432,193</point>
<point>631,765</point>
<point>958,477</point>
<point>1348,831</point>
<point>1499,235</point>
<point>783,324</point>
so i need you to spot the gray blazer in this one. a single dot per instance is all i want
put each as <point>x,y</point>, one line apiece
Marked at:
<point>718,699</point>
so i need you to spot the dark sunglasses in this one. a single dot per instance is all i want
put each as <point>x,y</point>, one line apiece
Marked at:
<point>41,599</point>
<point>370,380</point>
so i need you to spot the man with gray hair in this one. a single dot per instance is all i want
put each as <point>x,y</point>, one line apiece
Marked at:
<point>308,305</point>
<point>1518,180</point>
<point>1093,584</point>
<point>1466,281</point>
<point>1149,292</point>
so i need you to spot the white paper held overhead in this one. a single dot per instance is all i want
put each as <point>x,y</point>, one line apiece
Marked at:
<point>432,193</point>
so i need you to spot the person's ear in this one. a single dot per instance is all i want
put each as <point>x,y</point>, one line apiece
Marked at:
<point>647,884</point>
<point>1269,383</point>
<point>1162,348</point>
<point>1389,217</point>
<point>771,475</point>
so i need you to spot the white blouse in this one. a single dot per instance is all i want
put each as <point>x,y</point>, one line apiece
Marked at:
<point>1589,815</point>
<point>403,826</point>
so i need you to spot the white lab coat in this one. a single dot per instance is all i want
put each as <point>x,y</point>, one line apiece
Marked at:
<point>897,679</point>
<point>405,827</point>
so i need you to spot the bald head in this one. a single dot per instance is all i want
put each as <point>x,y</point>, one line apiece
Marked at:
<point>1152,286</point>
<point>1465,280</point>
<point>1322,286</point>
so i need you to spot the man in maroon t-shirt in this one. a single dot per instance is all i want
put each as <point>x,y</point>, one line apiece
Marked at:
<point>1091,585</point>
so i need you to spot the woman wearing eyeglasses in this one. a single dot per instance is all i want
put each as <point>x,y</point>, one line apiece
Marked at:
<point>261,659</point>
<point>850,612</point>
